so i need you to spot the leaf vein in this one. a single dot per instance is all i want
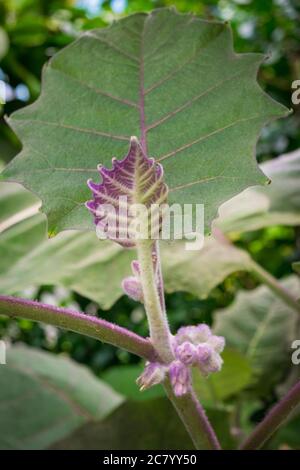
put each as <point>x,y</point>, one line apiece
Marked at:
<point>113,46</point>
<point>216,131</point>
<point>77,129</point>
<point>202,180</point>
<point>174,72</point>
<point>191,101</point>
<point>97,90</point>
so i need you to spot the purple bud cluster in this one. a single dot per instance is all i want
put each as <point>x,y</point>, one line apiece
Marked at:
<point>197,346</point>
<point>194,346</point>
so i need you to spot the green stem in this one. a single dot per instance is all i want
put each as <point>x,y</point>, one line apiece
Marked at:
<point>159,329</point>
<point>194,419</point>
<point>275,286</point>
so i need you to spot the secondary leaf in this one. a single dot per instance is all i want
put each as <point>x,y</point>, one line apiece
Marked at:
<point>287,437</point>
<point>16,205</point>
<point>48,397</point>
<point>261,326</point>
<point>171,79</point>
<point>151,424</point>
<point>235,375</point>
<point>275,204</point>
<point>198,272</point>
<point>146,425</point>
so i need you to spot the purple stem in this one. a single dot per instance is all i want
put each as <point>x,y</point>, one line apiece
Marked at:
<point>275,418</point>
<point>79,323</point>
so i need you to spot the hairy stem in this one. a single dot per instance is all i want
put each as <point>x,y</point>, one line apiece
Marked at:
<point>160,278</point>
<point>194,419</point>
<point>187,406</point>
<point>79,323</point>
<point>275,286</point>
<point>275,418</point>
<point>159,329</point>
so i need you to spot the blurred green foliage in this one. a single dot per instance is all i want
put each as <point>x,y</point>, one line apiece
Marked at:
<point>31,31</point>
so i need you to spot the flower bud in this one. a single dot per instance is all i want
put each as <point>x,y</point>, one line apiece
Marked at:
<point>204,353</point>
<point>133,288</point>
<point>212,364</point>
<point>180,377</point>
<point>194,334</point>
<point>186,353</point>
<point>202,333</point>
<point>217,343</point>
<point>153,374</point>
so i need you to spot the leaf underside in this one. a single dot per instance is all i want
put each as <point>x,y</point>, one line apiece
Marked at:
<point>171,79</point>
<point>275,204</point>
<point>262,328</point>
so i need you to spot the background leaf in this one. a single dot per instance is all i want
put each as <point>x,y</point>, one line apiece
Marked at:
<point>296,267</point>
<point>235,375</point>
<point>171,79</point>
<point>81,262</point>
<point>123,380</point>
<point>153,425</point>
<point>48,397</point>
<point>16,205</point>
<point>287,437</point>
<point>198,272</point>
<point>262,327</point>
<point>275,204</point>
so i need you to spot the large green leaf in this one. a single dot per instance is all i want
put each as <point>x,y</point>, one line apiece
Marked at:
<point>80,261</point>
<point>262,327</point>
<point>275,204</point>
<point>44,398</point>
<point>171,79</point>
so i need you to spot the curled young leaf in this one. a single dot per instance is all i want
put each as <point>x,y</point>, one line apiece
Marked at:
<point>126,205</point>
